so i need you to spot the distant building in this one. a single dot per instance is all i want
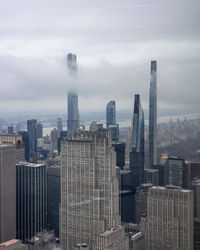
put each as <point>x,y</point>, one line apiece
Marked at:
<point>53,201</point>
<point>112,239</point>
<point>141,200</point>
<point>170,218</point>
<point>120,154</point>
<point>31,129</point>
<point>16,140</point>
<point>7,193</point>
<point>59,125</point>
<point>73,114</point>
<point>153,116</point>
<point>10,129</point>
<point>31,200</point>
<point>137,144</point>
<point>54,139</point>
<point>13,245</point>
<point>151,176</point>
<point>196,190</point>
<point>39,130</point>
<point>72,62</point>
<point>62,135</point>
<point>25,139</point>
<point>191,171</point>
<point>175,167</point>
<point>89,188</point>
<point>110,114</point>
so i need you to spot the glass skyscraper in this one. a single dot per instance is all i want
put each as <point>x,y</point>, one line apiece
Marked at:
<point>110,114</point>
<point>153,116</point>
<point>137,143</point>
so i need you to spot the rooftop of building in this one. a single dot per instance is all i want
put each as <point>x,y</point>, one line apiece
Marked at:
<point>111,230</point>
<point>136,236</point>
<point>171,187</point>
<point>29,164</point>
<point>9,243</point>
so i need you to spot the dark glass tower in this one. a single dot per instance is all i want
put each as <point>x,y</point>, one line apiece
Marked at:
<point>31,129</point>
<point>110,114</point>
<point>137,143</point>
<point>153,116</point>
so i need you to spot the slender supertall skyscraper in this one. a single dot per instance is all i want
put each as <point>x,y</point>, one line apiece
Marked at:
<point>73,113</point>
<point>137,143</point>
<point>153,116</point>
<point>110,114</point>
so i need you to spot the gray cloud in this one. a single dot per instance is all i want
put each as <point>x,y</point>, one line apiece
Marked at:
<point>115,42</point>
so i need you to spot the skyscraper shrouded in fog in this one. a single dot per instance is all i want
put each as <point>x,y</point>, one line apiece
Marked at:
<point>89,187</point>
<point>153,115</point>
<point>73,112</point>
<point>137,143</point>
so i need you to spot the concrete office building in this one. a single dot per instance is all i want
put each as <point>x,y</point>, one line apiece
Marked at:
<point>89,187</point>
<point>153,116</point>
<point>7,193</point>
<point>53,201</point>
<point>31,200</point>
<point>170,218</point>
<point>112,239</point>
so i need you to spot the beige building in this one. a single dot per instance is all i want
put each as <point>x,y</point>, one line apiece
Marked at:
<point>7,193</point>
<point>112,239</point>
<point>170,218</point>
<point>89,188</point>
<point>13,245</point>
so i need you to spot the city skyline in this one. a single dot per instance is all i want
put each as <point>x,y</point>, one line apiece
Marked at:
<point>35,39</point>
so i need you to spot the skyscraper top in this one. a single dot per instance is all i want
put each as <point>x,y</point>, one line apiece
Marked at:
<point>72,62</point>
<point>153,66</point>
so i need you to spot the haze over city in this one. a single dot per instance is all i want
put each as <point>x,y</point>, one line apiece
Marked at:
<point>115,42</point>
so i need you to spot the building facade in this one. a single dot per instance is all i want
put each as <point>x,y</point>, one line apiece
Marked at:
<point>89,188</point>
<point>7,193</point>
<point>170,218</point>
<point>31,209</point>
<point>73,114</point>
<point>153,116</point>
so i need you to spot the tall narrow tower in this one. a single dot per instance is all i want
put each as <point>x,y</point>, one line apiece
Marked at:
<point>73,113</point>
<point>153,116</point>
<point>137,143</point>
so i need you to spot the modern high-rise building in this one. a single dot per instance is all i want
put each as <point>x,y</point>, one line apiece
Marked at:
<point>59,125</point>
<point>25,139</point>
<point>31,129</point>
<point>151,176</point>
<point>110,114</point>
<point>170,218</point>
<point>31,200</point>
<point>53,201</point>
<point>7,193</point>
<point>54,139</point>
<point>10,129</point>
<point>137,143</point>
<point>153,116</point>
<point>120,154</point>
<point>89,188</point>
<point>73,114</point>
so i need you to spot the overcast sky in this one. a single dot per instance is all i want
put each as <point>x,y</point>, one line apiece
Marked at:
<point>114,40</point>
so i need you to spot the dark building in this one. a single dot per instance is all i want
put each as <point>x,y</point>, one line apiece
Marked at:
<point>31,129</point>
<point>153,116</point>
<point>7,192</point>
<point>25,139</point>
<point>31,202</point>
<point>53,201</point>
<point>196,234</point>
<point>191,171</point>
<point>111,120</point>
<point>137,144</point>
<point>62,135</point>
<point>120,154</point>
<point>141,201</point>
<point>175,168</point>
<point>39,130</point>
<point>72,63</point>
<point>151,176</point>
<point>73,114</point>
<point>110,114</point>
<point>127,197</point>
<point>11,129</point>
